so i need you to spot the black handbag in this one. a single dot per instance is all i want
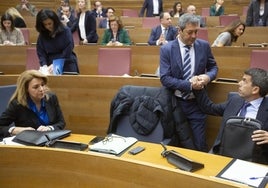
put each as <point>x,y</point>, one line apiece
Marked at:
<point>236,140</point>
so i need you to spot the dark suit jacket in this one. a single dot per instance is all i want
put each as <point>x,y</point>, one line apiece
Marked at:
<point>229,108</point>
<point>103,23</point>
<point>157,31</point>
<point>103,13</point>
<point>90,27</point>
<point>24,117</point>
<point>72,24</point>
<point>148,5</point>
<point>171,70</point>
<point>253,13</point>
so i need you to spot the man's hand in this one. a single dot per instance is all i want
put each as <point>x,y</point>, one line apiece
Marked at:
<point>260,137</point>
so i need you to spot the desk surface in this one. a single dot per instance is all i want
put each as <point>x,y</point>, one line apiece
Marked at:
<point>152,154</point>
<point>46,167</point>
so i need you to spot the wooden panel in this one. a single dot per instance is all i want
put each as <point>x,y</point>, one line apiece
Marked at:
<point>13,59</point>
<point>65,168</point>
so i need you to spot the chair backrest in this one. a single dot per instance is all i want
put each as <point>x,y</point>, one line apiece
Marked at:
<point>32,60</point>
<point>76,37</point>
<point>205,12</point>
<point>123,126</point>
<point>259,58</point>
<point>114,61</point>
<point>26,35</point>
<point>5,94</point>
<point>227,19</point>
<point>130,13</point>
<point>245,11</point>
<point>203,33</point>
<point>150,22</point>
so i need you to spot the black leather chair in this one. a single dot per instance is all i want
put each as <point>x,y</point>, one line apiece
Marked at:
<point>147,113</point>
<point>5,94</point>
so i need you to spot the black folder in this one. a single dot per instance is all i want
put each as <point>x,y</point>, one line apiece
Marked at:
<point>38,138</point>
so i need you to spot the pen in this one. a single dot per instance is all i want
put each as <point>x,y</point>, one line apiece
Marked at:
<point>255,178</point>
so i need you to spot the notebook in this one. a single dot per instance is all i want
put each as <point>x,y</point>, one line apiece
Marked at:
<point>113,144</point>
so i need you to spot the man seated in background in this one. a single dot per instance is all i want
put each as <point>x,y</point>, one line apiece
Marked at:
<point>163,33</point>
<point>98,10</point>
<point>191,9</point>
<point>64,3</point>
<point>68,19</point>
<point>104,23</point>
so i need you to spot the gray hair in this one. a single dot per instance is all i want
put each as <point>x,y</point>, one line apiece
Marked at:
<point>188,18</point>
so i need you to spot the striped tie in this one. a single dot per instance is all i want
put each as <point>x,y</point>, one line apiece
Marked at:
<point>186,68</point>
<point>187,63</point>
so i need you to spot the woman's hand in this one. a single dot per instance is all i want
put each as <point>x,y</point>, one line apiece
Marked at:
<point>17,130</point>
<point>43,128</point>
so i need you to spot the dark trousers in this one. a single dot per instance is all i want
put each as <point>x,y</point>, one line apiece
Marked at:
<point>196,120</point>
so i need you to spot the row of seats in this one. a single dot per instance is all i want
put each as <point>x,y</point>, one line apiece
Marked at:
<point>111,61</point>
<point>141,35</point>
<point>117,61</point>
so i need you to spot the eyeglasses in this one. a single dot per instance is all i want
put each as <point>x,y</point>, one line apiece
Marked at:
<point>111,137</point>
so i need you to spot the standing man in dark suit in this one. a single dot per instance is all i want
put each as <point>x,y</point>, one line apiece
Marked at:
<point>152,7</point>
<point>163,33</point>
<point>178,78</point>
<point>252,89</point>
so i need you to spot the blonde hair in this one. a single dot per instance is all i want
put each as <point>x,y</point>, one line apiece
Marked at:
<point>21,92</point>
<point>14,13</point>
<point>87,6</point>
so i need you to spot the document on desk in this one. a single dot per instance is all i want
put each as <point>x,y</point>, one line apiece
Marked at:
<point>113,144</point>
<point>252,174</point>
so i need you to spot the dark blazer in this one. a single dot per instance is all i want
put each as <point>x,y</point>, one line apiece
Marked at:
<point>171,70</point>
<point>61,46</point>
<point>253,13</point>
<point>90,27</point>
<point>19,23</point>
<point>229,108</point>
<point>25,117</point>
<point>122,37</point>
<point>157,31</point>
<point>72,24</point>
<point>103,13</point>
<point>148,5</point>
<point>103,23</point>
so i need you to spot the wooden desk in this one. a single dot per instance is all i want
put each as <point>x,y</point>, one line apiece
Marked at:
<point>49,167</point>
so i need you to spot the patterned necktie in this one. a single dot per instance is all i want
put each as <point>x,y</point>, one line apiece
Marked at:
<point>165,32</point>
<point>243,111</point>
<point>186,68</point>
<point>187,63</point>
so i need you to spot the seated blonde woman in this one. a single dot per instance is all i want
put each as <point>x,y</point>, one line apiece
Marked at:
<point>116,35</point>
<point>9,34</point>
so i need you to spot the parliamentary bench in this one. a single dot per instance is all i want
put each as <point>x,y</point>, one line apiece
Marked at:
<point>85,99</point>
<point>232,61</point>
